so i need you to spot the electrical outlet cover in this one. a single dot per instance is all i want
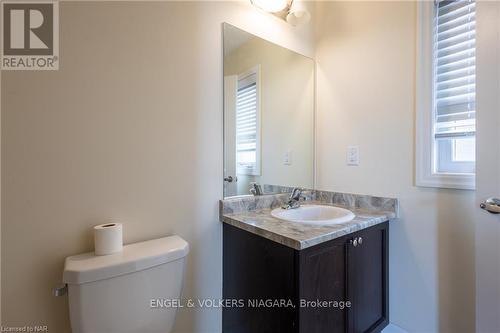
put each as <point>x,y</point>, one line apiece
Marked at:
<point>353,155</point>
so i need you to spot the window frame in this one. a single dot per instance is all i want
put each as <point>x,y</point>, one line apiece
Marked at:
<point>425,147</point>
<point>257,171</point>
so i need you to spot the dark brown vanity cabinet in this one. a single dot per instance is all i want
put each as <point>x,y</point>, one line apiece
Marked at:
<point>269,287</point>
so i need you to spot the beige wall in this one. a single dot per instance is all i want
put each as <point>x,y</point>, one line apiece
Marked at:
<point>129,127</point>
<point>287,110</point>
<point>0,217</point>
<point>366,97</point>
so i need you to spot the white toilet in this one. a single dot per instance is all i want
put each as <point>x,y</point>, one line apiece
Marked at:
<point>126,292</point>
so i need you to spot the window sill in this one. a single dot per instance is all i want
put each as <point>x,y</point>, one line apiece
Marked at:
<point>248,173</point>
<point>453,181</point>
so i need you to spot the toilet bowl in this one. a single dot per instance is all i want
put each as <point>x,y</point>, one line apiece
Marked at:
<point>121,293</point>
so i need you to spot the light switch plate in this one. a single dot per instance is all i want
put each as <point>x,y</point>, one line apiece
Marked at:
<point>353,155</point>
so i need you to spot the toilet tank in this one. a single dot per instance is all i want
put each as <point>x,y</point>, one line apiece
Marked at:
<point>126,292</point>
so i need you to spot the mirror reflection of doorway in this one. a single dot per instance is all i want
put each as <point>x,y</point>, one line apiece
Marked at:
<point>243,137</point>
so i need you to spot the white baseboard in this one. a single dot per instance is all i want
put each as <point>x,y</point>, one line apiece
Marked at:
<point>391,328</point>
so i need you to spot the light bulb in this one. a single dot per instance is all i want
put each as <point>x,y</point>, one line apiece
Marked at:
<point>298,14</point>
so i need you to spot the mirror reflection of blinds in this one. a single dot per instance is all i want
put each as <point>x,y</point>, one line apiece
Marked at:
<point>455,69</point>
<point>246,123</point>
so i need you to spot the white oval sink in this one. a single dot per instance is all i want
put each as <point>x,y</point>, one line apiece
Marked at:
<point>314,214</point>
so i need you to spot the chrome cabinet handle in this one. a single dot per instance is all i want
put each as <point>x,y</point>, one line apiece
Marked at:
<point>230,179</point>
<point>357,241</point>
<point>491,205</point>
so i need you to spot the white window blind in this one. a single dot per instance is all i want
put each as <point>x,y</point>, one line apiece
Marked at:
<point>455,69</point>
<point>247,125</point>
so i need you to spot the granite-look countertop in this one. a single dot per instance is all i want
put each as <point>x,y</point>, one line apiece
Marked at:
<point>253,214</point>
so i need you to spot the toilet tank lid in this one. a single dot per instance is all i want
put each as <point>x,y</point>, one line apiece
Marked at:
<point>88,267</point>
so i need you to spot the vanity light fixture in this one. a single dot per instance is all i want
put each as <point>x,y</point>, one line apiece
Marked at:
<point>292,11</point>
<point>271,6</point>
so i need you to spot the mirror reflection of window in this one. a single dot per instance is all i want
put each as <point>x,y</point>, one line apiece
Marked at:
<point>248,124</point>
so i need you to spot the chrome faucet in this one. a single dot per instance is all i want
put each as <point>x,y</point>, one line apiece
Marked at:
<point>256,189</point>
<point>294,200</point>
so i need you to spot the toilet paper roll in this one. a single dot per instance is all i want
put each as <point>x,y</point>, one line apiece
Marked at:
<point>108,238</point>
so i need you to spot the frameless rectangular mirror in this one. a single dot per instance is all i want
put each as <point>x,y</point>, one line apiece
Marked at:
<point>268,116</point>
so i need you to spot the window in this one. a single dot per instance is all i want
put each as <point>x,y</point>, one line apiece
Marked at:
<point>248,124</point>
<point>446,96</point>
<point>455,86</point>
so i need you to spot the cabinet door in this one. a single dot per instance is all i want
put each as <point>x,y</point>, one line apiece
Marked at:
<point>367,275</point>
<point>256,269</point>
<point>323,277</point>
